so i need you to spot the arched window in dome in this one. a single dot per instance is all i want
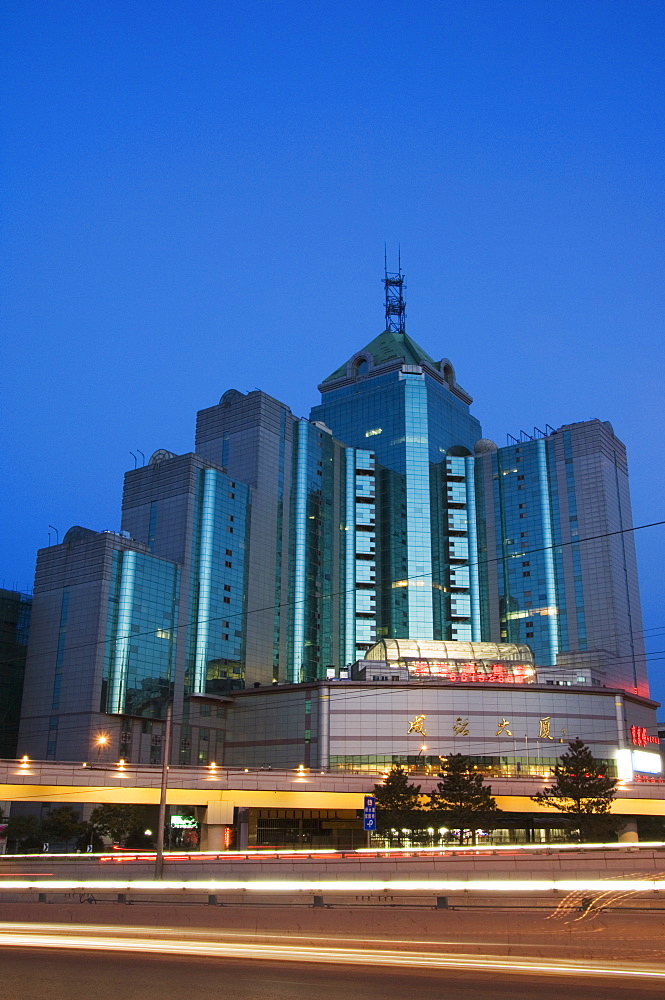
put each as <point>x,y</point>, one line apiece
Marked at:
<point>448,372</point>
<point>361,367</point>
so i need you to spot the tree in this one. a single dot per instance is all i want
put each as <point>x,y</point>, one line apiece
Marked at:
<point>461,800</point>
<point>117,821</point>
<point>62,825</point>
<point>90,837</point>
<point>23,831</point>
<point>398,804</point>
<point>583,792</point>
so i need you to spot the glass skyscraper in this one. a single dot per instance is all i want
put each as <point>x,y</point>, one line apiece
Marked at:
<point>281,549</point>
<point>103,648</point>
<point>392,398</point>
<point>310,597</point>
<point>556,553</point>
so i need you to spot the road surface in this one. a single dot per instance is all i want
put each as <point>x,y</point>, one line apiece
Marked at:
<point>98,965</point>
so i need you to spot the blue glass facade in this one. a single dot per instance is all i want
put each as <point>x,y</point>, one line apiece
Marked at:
<point>311,566</point>
<point>60,651</point>
<point>557,570</point>
<point>456,592</point>
<point>252,436</point>
<point>412,421</point>
<point>332,554</point>
<point>140,635</point>
<point>527,546</point>
<point>215,657</point>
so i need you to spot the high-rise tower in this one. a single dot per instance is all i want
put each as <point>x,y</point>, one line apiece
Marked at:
<point>310,564</point>
<point>394,399</point>
<point>557,555</point>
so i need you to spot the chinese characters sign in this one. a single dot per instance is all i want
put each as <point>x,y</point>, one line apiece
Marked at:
<point>369,813</point>
<point>640,738</point>
<point>417,725</point>
<point>461,726</point>
<point>545,726</point>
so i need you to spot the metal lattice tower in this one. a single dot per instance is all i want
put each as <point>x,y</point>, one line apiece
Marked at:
<point>395,283</point>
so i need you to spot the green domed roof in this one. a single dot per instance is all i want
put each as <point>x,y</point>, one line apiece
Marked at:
<point>389,346</point>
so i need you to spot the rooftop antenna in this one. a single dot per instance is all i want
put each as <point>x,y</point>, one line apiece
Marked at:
<point>395,284</point>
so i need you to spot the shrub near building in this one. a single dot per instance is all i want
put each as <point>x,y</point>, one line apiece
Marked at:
<point>462,801</point>
<point>583,793</point>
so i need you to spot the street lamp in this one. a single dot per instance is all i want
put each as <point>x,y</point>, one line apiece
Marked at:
<point>159,853</point>
<point>101,742</point>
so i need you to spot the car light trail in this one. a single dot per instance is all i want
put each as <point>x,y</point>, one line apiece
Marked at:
<point>96,939</point>
<point>335,886</point>
<point>362,852</point>
<point>245,935</point>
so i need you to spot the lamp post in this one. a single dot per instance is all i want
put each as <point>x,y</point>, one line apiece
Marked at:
<point>101,742</point>
<point>159,856</point>
<point>423,748</point>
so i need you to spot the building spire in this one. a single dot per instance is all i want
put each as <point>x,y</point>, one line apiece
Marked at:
<point>395,284</point>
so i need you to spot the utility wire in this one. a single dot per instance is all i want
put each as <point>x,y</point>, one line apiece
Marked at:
<point>289,604</point>
<point>351,695</point>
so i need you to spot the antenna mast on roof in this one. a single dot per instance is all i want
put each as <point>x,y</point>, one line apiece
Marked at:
<point>395,305</point>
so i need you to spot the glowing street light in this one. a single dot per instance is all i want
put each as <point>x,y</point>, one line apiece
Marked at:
<point>101,742</point>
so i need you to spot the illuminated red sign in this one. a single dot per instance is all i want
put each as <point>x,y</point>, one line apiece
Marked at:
<point>472,672</point>
<point>640,738</point>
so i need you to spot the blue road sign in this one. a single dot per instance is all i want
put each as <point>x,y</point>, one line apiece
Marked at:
<point>369,816</point>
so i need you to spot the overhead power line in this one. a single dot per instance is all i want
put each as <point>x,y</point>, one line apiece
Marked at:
<point>226,616</point>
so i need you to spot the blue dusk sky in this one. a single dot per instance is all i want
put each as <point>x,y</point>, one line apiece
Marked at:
<point>196,196</point>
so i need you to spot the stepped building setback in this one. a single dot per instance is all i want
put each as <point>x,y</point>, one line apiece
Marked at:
<point>383,541</point>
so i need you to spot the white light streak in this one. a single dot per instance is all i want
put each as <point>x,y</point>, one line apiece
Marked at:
<point>108,939</point>
<point>277,852</point>
<point>363,886</point>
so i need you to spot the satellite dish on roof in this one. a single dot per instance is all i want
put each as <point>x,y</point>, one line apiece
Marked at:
<point>161,455</point>
<point>78,534</point>
<point>231,396</point>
